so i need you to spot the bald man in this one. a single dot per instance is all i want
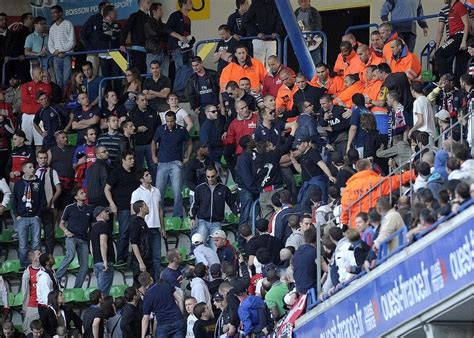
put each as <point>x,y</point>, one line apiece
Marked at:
<point>368,59</point>
<point>284,98</point>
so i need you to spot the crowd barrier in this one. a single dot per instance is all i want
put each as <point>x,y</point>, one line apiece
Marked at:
<point>4,67</point>
<point>112,78</point>
<point>88,52</point>
<point>323,46</point>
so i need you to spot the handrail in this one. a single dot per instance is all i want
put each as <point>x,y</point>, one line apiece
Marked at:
<point>111,78</point>
<point>95,51</point>
<point>245,38</point>
<point>324,47</point>
<point>417,18</point>
<point>254,215</point>
<point>402,166</point>
<point>426,52</point>
<point>4,66</point>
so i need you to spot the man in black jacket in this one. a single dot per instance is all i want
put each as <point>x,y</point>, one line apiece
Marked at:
<point>28,203</point>
<point>306,92</point>
<point>336,123</point>
<point>109,38</point>
<point>208,208</point>
<point>202,88</point>
<point>97,176</point>
<point>131,321</point>
<point>196,169</point>
<point>156,39</point>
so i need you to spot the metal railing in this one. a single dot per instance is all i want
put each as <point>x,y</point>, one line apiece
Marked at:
<point>324,45</point>
<point>24,58</point>
<point>246,38</point>
<point>112,78</point>
<point>425,54</point>
<point>86,52</point>
<point>365,26</point>
<point>254,215</point>
<point>398,170</point>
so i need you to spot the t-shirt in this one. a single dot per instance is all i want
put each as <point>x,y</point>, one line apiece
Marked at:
<point>123,183</point>
<point>424,107</point>
<point>81,115</point>
<point>309,166</point>
<point>180,115</point>
<point>33,300</point>
<point>92,87</point>
<point>170,143</point>
<point>159,299</point>
<point>206,94</point>
<point>204,328</point>
<point>274,296</point>
<point>101,228</point>
<point>265,241</point>
<point>158,103</point>
<point>170,276</point>
<point>88,318</point>
<point>304,268</point>
<point>228,46</point>
<point>119,111</point>
<point>455,23</point>
<point>79,220</point>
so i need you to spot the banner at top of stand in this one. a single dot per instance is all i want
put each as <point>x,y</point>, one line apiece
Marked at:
<point>78,11</point>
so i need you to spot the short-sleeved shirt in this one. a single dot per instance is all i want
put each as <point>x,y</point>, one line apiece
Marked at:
<point>119,111</point>
<point>159,299</point>
<point>274,296</point>
<point>171,276</point>
<point>229,46</point>
<point>152,198</point>
<point>78,220</point>
<point>457,11</point>
<point>36,42</point>
<point>98,229</point>
<point>355,121</point>
<point>81,115</point>
<point>180,115</point>
<point>170,143</point>
<point>158,103</point>
<point>88,319</point>
<point>206,94</point>
<point>123,183</point>
<point>272,134</point>
<point>92,87</point>
<point>309,166</point>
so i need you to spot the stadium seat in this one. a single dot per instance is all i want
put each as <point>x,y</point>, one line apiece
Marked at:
<point>75,295</point>
<point>14,301</point>
<point>186,225</point>
<point>72,139</point>
<point>173,223</point>
<point>87,292</point>
<point>117,290</point>
<point>185,257</point>
<point>298,180</point>
<point>58,260</point>
<point>11,267</point>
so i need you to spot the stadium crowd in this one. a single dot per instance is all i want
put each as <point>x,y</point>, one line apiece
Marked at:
<point>360,151</point>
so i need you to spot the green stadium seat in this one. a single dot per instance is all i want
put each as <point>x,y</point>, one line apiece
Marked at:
<point>172,223</point>
<point>6,237</point>
<point>186,225</point>
<point>58,260</point>
<point>117,290</point>
<point>232,218</point>
<point>185,257</point>
<point>298,180</point>
<point>169,194</point>
<point>185,192</point>
<point>115,228</point>
<point>74,265</point>
<point>11,266</point>
<point>87,292</point>
<point>72,139</point>
<point>15,300</point>
<point>75,295</point>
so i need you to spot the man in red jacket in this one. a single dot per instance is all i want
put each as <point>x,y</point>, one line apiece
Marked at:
<point>29,105</point>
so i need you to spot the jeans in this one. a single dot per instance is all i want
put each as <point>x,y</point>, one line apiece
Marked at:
<point>73,245</point>
<point>104,278</point>
<point>307,192</point>
<point>173,330</point>
<point>246,201</point>
<point>262,49</point>
<point>62,70</point>
<point>47,218</point>
<point>206,229</point>
<point>171,171</point>
<point>179,75</point>
<point>143,152</point>
<point>162,58</point>
<point>316,56</point>
<point>123,241</point>
<point>23,227</point>
<point>155,242</point>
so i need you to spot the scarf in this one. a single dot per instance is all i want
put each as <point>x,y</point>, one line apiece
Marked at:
<point>27,195</point>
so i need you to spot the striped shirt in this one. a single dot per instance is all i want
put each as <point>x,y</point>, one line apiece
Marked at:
<point>61,37</point>
<point>444,15</point>
<point>112,143</point>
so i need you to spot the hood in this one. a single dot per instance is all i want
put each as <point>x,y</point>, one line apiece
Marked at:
<point>441,158</point>
<point>435,177</point>
<point>197,281</point>
<point>252,302</point>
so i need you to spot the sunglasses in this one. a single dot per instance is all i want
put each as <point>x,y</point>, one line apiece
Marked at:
<point>213,111</point>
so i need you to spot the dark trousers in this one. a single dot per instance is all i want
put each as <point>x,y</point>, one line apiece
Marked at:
<point>110,68</point>
<point>47,219</point>
<point>230,158</point>
<point>138,60</point>
<point>409,38</point>
<point>445,54</point>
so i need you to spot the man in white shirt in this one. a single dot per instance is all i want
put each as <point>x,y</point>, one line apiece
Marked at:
<point>154,220</point>
<point>46,281</point>
<point>423,117</point>
<point>61,40</point>
<point>203,254</point>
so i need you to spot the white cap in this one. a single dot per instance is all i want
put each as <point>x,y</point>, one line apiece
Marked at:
<point>197,239</point>
<point>443,114</point>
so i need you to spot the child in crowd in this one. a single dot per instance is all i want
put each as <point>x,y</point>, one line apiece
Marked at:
<point>189,305</point>
<point>205,325</point>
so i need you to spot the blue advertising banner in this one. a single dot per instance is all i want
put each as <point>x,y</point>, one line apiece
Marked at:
<point>421,281</point>
<point>78,11</point>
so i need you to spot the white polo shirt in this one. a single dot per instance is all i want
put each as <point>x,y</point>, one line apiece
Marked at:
<point>152,198</point>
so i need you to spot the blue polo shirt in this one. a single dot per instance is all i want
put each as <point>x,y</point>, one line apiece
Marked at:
<point>272,134</point>
<point>79,220</point>
<point>92,87</point>
<point>36,42</point>
<point>170,143</point>
<point>159,299</point>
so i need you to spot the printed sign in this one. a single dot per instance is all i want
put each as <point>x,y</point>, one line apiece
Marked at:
<point>201,10</point>
<point>421,281</point>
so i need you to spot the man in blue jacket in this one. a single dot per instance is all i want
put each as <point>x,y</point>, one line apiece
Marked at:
<point>28,203</point>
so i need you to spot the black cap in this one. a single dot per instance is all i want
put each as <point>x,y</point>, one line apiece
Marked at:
<point>215,269</point>
<point>217,297</point>
<point>20,133</point>
<point>337,158</point>
<point>98,210</point>
<point>298,141</point>
<point>237,287</point>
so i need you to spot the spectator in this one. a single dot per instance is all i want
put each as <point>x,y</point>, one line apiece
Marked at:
<point>225,250</point>
<point>279,223</point>
<point>225,48</point>
<point>171,274</point>
<point>132,87</point>
<point>271,81</point>
<point>166,303</point>
<point>210,198</point>
<point>112,108</point>
<point>398,117</point>
<point>5,32</point>
<point>388,35</point>
<point>368,58</point>
<point>234,21</point>
<point>9,330</point>
<point>97,175</point>
<point>36,43</point>
<point>57,314</point>
<point>352,85</point>
<point>135,25</point>
<point>359,183</point>
<point>202,88</point>
<point>203,253</point>
<point>205,325</point>
<point>398,11</point>
<point>307,92</point>
<point>113,323</point>
<point>139,240</point>
<point>57,93</point>
<point>336,122</point>
<point>91,82</point>
<point>30,105</point>
<point>189,304</point>
<point>156,39</point>
<point>46,282</point>
<point>93,316</point>
<point>461,152</point>
<point>111,140</point>
<point>241,66</point>
<point>447,96</point>
<point>284,97</point>
<point>157,88</point>
<point>84,157</point>
<point>391,222</point>
<point>263,240</point>
<point>312,21</point>
<point>304,266</point>
<point>195,173</point>
<point>72,89</point>
<point>146,120</point>
<point>210,133</point>
<point>199,289</point>
<point>61,40</point>
<point>150,195</point>
<point>121,183</point>
<point>20,154</point>
<point>52,118</point>
<point>29,282</point>
<point>276,290</point>
<point>13,94</point>
<point>333,85</point>
<point>347,61</point>
<point>263,19</point>
<point>233,94</point>
<point>127,142</point>
<point>399,154</point>
<point>37,330</point>
<point>423,116</point>
<point>169,141</point>
<point>183,119</point>
<point>131,319</point>
<point>296,238</point>
<point>365,229</point>
<point>102,249</point>
<point>403,60</point>
<point>85,116</point>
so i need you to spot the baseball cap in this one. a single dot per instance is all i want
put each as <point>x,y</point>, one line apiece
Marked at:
<point>217,297</point>
<point>98,210</point>
<point>443,114</point>
<point>219,234</point>
<point>20,133</point>
<point>298,141</point>
<point>197,239</point>
<point>238,287</point>
<point>215,269</point>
